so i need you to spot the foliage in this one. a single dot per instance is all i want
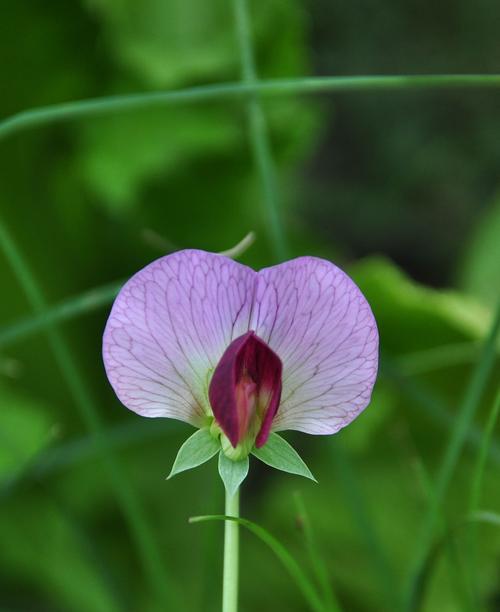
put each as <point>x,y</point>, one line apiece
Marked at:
<point>412,176</point>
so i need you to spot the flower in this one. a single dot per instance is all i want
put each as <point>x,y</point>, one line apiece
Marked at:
<point>199,337</point>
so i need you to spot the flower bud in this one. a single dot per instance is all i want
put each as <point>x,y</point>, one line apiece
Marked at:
<point>245,393</point>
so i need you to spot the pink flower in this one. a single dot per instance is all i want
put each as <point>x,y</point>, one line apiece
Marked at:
<point>198,337</point>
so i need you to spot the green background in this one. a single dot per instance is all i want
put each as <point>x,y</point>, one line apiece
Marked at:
<point>400,188</point>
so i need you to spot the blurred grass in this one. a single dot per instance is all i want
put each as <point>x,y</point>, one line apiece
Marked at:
<point>259,133</point>
<point>143,101</point>
<point>81,193</point>
<point>125,495</point>
<point>315,556</point>
<point>72,307</point>
<point>474,393</point>
<point>85,450</point>
<point>482,455</point>
<point>293,568</point>
<point>475,498</point>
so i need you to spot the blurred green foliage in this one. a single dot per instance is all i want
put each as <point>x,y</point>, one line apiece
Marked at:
<point>413,177</point>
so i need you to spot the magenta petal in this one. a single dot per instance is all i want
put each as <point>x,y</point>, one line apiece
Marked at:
<point>245,389</point>
<point>317,320</point>
<point>168,329</point>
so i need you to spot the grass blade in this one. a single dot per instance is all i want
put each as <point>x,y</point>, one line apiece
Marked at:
<point>354,498</point>
<point>458,436</point>
<point>475,495</point>
<point>292,567</point>
<point>453,557</point>
<point>483,453</point>
<point>332,605</point>
<point>436,357</point>
<point>261,146</point>
<point>67,309</point>
<point>55,459</point>
<point>433,406</point>
<point>122,488</point>
<point>94,107</point>
<point>480,517</point>
<point>89,301</point>
<point>122,436</point>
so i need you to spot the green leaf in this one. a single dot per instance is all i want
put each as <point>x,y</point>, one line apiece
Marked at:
<point>233,473</point>
<point>479,275</point>
<point>117,172</point>
<point>277,453</point>
<point>412,317</point>
<point>197,449</point>
<point>25,430</point>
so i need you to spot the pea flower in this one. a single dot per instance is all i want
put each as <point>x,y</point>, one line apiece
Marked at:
<point>240,354</point>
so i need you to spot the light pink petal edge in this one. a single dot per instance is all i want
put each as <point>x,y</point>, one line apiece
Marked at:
<point>319,323</point>
<point>168,328</point>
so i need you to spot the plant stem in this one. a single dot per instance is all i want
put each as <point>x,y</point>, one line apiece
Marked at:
<point>462,424</point>
<point>231,552</point>
<point>128,502</point>
<point>45,115</point>
<point>475,497</point>
<point>259,133</point>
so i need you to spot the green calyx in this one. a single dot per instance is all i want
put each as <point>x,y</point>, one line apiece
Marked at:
<point>242,450</point>
<point>205,443</point>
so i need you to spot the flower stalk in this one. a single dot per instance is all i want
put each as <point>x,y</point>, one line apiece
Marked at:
<point>231,554</point>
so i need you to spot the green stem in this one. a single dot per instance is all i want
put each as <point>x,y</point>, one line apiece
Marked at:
<point>484,449</point>
<point>299,578</point>
<point>128,502</point>
<point>259,133</point>
<point>462,424</point>
<point>231,553</point>
<point>353,494</point>
<point>48,316</point>
<point>320,569</point>
<point>475,497</point>
<point>111,104</point>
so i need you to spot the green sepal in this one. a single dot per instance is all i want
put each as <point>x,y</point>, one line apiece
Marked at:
<point>197,449</point>
<point>233,473</point>
<point>279,454</point>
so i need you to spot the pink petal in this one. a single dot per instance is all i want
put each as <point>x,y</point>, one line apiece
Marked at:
<point>168,329</point>
<point>318,322</point>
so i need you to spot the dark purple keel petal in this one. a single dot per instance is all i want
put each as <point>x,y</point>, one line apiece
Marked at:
<point>245,389</point>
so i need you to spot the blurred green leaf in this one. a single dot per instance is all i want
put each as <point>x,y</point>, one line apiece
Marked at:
<point>71,575</point>
<point>117,154</point>
<point>371,422</point>
<point>167,45</point>
<point>25,429</point>
<point>168,42</point>
<point>480,275</point>
<point>413,317</point>
<point>423,332</point>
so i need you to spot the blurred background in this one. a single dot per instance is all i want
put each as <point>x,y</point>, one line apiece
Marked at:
<point>400,188</point>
